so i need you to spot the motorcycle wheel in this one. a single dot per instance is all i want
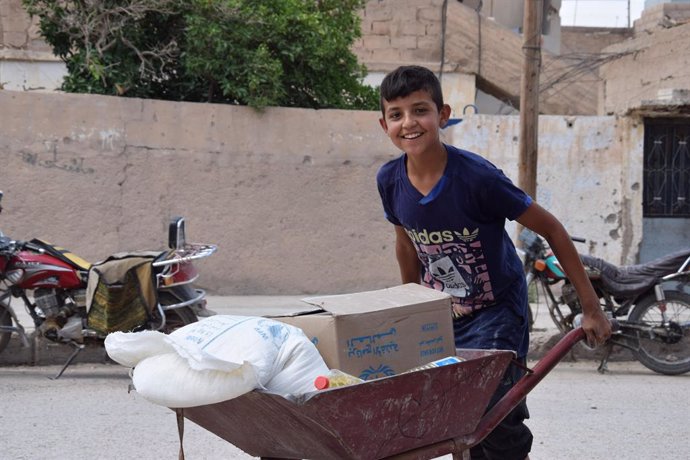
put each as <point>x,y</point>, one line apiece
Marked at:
<point>668,354</point>
<point>178,317</point>
<point>5,321</point>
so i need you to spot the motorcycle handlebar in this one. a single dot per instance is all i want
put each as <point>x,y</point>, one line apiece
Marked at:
<point>8,245</point>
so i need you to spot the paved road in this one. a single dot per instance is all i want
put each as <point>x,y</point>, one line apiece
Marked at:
<point>576,413</point>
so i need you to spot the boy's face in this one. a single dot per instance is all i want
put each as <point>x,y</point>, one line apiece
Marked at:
<point>413,122</point>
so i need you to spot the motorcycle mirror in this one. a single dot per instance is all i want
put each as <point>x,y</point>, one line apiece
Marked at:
<point>176,233</point>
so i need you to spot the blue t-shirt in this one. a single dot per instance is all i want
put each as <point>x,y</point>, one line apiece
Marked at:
<point>458,230</point>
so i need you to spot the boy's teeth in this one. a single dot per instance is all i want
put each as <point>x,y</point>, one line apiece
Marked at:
<point>411,136</point>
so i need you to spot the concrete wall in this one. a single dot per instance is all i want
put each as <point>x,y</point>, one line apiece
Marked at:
<point>289,195</point>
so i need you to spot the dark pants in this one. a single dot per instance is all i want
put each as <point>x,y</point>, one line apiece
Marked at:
<point>511,439</point>
<point>500,328</point>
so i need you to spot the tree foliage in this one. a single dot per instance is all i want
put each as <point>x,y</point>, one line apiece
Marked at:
<point>293,53</point>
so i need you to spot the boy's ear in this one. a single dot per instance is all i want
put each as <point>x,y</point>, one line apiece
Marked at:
<point>384,125</point>
<point>444,115</point>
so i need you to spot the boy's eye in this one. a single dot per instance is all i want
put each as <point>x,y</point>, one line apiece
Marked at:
<point>421,110</point>
<point>394,115</point>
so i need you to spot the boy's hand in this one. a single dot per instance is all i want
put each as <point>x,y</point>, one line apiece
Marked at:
<point>596,326</point>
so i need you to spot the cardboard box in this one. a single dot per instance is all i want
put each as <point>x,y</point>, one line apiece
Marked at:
<point>378,333</point>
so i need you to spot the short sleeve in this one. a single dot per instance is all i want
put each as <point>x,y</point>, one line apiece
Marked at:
<point>513,201</point>
<point>385,181</point>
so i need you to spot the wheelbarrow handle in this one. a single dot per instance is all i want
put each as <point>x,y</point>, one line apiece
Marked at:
<point>519,391</point>
<point>502,408</point>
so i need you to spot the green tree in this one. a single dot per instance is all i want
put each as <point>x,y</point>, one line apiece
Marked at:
<point>293,53</point>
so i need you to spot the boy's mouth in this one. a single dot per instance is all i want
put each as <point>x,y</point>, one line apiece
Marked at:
<point>411,136</point>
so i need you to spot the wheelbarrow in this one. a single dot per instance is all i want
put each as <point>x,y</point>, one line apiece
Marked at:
<point>417,415</point>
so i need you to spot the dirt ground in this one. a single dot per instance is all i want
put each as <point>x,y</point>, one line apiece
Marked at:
<point>576,413</point>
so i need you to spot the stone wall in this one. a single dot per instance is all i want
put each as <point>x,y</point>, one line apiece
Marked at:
<point>289,195</point>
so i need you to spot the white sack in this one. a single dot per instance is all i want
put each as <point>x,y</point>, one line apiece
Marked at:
<point>218,358</point>
<point>298,365</point>
<point>129,348</point>
<point>227,341</point>
<point>284,359</point>
<point>168,380</point>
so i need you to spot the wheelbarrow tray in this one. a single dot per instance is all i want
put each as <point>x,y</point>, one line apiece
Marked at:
<point>372,420</point>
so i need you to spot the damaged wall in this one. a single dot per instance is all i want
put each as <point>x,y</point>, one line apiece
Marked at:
<point>653,63</point>
<point>289,195</point>
<point>397,32</point>
<point>589,174</point>
<point>26,61</point>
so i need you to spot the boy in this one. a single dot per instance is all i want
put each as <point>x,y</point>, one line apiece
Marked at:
<point>449,208</point>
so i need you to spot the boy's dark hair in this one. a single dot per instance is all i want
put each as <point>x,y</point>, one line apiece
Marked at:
<point>406,80</point>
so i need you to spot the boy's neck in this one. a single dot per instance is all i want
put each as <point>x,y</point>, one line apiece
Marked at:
<point>425,170</point>
<point>429,163</point>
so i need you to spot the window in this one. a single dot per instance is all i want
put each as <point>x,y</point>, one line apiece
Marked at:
<point>666,168</point>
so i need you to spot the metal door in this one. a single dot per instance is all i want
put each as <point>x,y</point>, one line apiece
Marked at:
<point>666,211</point>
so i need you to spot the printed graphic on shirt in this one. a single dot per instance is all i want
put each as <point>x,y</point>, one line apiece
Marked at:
<point>454,263</point>
<point>445,269</point>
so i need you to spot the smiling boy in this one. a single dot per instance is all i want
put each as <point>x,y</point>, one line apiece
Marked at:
<point>449,208</point>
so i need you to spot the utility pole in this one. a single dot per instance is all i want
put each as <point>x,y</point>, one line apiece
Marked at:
<point>529,97</point>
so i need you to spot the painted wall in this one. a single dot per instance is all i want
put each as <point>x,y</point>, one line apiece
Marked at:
<point>289,195</point>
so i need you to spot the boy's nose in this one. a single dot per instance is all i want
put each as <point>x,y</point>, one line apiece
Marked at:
<point>408,120</point>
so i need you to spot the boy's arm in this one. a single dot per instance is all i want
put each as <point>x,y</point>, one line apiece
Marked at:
<point>596,326</point>
<point>406,254</point>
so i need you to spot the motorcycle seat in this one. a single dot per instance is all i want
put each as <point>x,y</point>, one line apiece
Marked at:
<point>631,280</point>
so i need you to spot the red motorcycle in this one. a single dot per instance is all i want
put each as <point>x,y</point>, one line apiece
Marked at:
<point>74,302</point>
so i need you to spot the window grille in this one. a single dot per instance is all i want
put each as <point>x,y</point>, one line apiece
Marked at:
<point>666,168</point>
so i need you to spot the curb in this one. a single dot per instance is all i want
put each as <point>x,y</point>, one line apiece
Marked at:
<point>43,352</point>
<point>541,341</point>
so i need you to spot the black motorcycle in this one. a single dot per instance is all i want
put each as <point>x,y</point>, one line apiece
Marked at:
<point>650,301</point>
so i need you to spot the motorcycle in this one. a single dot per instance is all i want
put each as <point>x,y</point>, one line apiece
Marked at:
<point>650,301</point>
<point>74,302</point>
